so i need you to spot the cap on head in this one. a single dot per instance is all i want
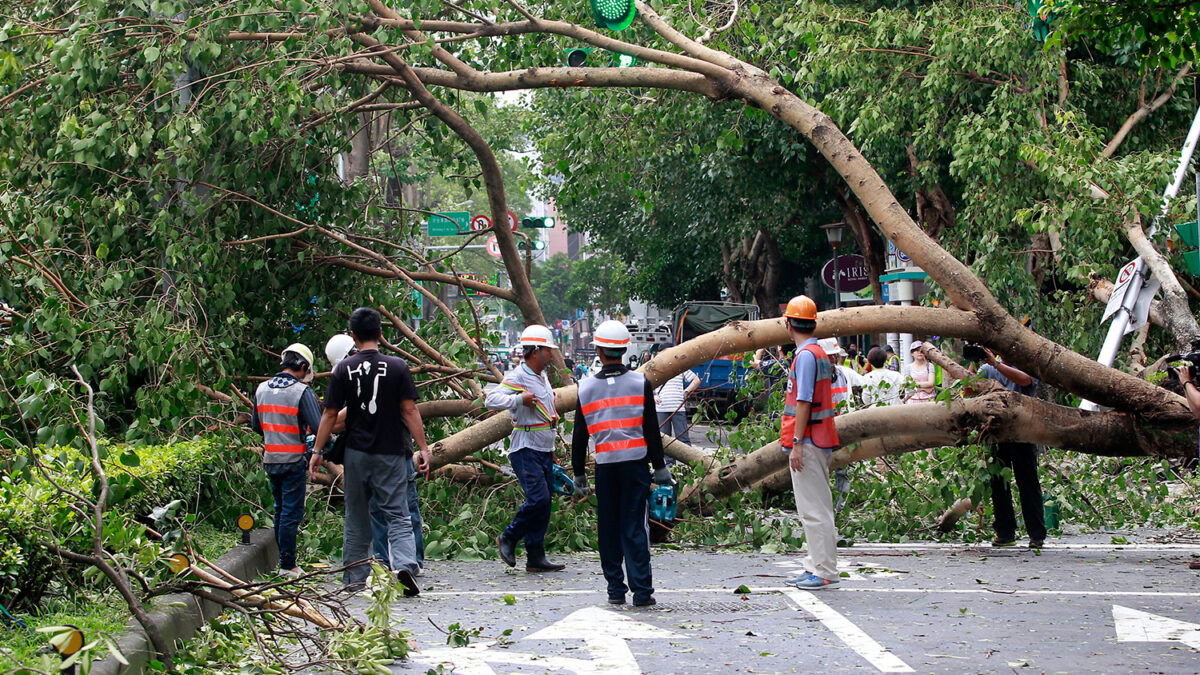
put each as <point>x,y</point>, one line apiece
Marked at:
<point>537,335</point>
<point>801,307</point>
<point>338,348</point>
<point>612,334</point>
<point>830,346</point>
<point>917,344</point>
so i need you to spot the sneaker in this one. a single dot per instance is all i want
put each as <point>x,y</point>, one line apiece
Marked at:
<point>813,583</point>
<point>644,602</point>
<point>408,582</point>
<point>1037,544</point>
<point>800,579</point>
<point>616,599</point>
<point>420,571</point>
<point>293,573</point>
<point>1003,543</point>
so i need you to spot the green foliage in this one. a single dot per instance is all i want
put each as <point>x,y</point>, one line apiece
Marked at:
<point>1145,33</point>
<point>156,483</point>
<point>101,618</point>
<point>598,283</point>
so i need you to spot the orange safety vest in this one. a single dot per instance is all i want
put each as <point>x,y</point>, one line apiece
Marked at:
<point>821,428</point>
<point>613,412</point>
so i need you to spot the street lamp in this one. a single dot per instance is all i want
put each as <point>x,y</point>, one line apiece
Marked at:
<point>833,232</point>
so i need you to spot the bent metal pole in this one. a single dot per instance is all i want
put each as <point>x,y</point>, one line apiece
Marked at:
<point>1120,321</point>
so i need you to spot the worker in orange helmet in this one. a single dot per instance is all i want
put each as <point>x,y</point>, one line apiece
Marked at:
<point>809,437</point>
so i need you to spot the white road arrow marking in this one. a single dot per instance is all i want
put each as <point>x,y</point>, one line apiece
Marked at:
<point>852,635</point>
<point>1137,626</point>
<point>603,632</point>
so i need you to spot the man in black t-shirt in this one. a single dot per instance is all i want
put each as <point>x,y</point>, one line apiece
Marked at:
<point>382,425</point>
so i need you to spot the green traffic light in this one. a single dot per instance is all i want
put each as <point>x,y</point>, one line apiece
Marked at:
<point>577,57</point>
<point>613,14</point>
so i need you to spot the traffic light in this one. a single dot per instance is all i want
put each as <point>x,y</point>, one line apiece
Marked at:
<point>538,245</point>
<point>613,14</point>
<point>580,57</point>
<point>1190,234</point>
<point>545,223</point>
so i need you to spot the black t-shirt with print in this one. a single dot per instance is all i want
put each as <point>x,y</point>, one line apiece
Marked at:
<point>371,386</point>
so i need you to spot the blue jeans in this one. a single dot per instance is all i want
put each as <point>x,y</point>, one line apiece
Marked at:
<point>379,524</point>
<point>535,471</point>
<point>622,512</point>
<point>288,483</point>
<point>676,426</point>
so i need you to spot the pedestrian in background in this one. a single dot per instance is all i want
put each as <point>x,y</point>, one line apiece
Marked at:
<point>527,395</point>
<point>616,408</point>
<point>382,427</point>
<point>893,361</point>
<point>881,386</point>
<point>670,400</point>
<point>285,412</point>
<point>922,374</point>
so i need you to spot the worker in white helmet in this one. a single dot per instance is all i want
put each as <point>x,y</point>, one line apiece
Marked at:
<point>526,393</point>
<point>616,409</point>
<point>285,412</point>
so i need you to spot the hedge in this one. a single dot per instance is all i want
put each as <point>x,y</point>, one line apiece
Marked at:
<point>141,479</point>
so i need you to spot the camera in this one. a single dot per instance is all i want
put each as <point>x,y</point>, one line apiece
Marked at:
<point>1193,363</point>
<point>974,352</point>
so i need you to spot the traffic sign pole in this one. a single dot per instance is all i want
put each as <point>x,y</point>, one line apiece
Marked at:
<point>1116,331</point>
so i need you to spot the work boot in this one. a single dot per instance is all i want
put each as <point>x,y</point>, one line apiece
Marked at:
<point>508,550</point>
<point>536,561</point>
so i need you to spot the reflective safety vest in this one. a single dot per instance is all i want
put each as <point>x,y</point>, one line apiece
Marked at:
<point>821,428</point>
<point>279,414</point>
<point>613,409</point>
<point>893,363</point>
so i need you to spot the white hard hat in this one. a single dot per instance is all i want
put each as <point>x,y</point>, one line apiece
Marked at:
<point>299,349</point>
<point>537,335</point>
<point>612,334</point>
<point>338,348</point>
<point>830,345</point>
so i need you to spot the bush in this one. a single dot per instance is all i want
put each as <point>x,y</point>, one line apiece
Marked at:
<point>144,484</point>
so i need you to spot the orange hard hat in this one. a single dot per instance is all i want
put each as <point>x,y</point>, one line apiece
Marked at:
<point>801,307</point>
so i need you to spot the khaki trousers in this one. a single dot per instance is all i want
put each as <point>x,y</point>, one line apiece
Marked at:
<point>814,504</point>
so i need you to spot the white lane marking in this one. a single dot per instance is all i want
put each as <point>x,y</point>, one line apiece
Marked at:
<point>1050,547</point>
<point>840,589</point>
<point>847,632</point>
<point>1137,626</point>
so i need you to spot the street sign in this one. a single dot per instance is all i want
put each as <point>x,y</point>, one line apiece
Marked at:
<point>1141,308</point>
<point>493,247</point>
<point>480,223</point>
<point>854,272</point>
<point>449,224</point>
<point>493,279</point>
<point>1118,292</point>
<point>512,221</point>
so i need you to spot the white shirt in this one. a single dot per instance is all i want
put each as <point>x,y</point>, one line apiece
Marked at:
<point>669,397</point>
<point>507,396</point>
<point>882,387</point>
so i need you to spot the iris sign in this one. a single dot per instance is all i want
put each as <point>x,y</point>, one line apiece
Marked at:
<point>853,270</point>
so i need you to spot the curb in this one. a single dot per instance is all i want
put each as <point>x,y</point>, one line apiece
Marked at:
<point>182,621</point>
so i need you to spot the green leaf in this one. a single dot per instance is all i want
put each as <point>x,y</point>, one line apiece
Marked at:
<point>151,53</point>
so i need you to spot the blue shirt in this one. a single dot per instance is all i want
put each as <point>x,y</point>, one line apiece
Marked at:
<point>992,373</point>
<point>805,372</point>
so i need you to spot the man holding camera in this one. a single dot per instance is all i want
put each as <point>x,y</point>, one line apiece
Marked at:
<point>1192,394</point>
<point>1020,457</point>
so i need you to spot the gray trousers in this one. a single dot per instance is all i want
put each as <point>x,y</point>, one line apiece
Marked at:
<point>386,478</point>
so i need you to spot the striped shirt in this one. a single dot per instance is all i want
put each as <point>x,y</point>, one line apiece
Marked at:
<point>669,397</point>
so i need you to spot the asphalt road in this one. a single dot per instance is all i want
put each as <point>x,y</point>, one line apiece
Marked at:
<point>1080,606</point>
